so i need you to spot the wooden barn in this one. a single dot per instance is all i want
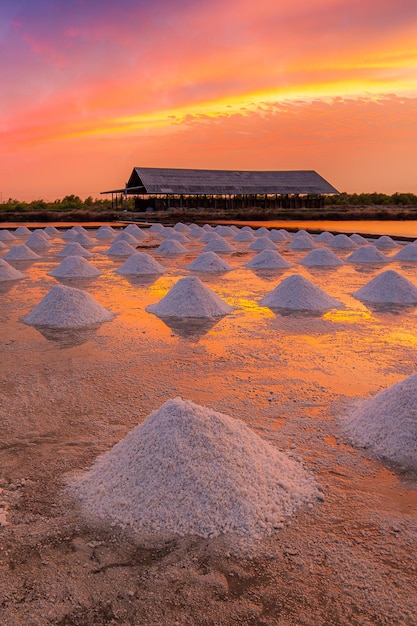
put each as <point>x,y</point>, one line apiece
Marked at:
<point>165,188</point>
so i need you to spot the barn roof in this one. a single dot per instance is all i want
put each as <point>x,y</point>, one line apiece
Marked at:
<point>151,180</point>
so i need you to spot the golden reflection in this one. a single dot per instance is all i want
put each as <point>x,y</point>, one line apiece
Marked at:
<point>161,287</point>
<point>402,338</point>
<point>352,316</point>
<point>252,307</point>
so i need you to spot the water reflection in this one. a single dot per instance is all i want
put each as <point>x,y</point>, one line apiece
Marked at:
<point>193,328</point>
<point>68,337</point>
<point>141,280</point>
<point>79,283</point>
<point>7,285</point>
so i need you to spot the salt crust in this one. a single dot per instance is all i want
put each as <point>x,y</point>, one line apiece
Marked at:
<point>74,249</point>
<point>209,262</point>
<point>268,260</point>
<point>189,297</point>
<point>298,293</point>
<point>120,248</point>
<point>75,267</point>
<point>387,424</point>
<point>7,272</point>
<point>408,253</point>
<point>321,257</point>
<point>67,307</point>
<point>367,254</point>
<point>21,252</point>
<point>139,264</point>
<point>342,242</point>
<point>302,243</point>
<point>388,287</point>
<point>170,246</point>
<point>189,470</point>
<point>263,243</point>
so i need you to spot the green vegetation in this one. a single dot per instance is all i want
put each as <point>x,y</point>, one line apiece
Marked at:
<point>70,208</point>
<point>372,199</point>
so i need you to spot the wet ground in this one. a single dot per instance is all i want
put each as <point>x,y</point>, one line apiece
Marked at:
<point>68,396</point>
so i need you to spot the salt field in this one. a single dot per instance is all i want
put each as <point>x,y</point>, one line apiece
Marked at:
<point>169,462</point>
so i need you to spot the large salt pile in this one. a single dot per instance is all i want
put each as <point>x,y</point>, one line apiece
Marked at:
<point>74,249</point>
<point>7,272</point>
<point>367,254</point>
<point>408,253</point>
<point>21,252</point>
<point>387,424</point>
<point>263,243</point>
<point>209,262</point>
<point>189,297</point>
<point>297,293</point>
<point>388,287</point>
<point>244,236</point>
<point>188,470</point>
<point>322,257</point>
<point>22,231</point>
<point>120,248</point>
<point>302,243</point>
<point>67,307</point>
<point>6,235</point>
<point>75,267</point>
<point>38,241</point>
<point>171,246</point>
<point>268,260</point>
<point>219,245</point>
<point>386,242</point>
<point>140,264</point>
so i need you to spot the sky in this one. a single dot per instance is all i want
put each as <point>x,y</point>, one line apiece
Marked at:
<point>90,89</point>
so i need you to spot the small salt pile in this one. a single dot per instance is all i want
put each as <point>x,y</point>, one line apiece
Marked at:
<point>3,246</point>
<point>69,234</point>
<point>302,243</point>
<point>321,257</point>
<point>388,287</point>
<point>120,248</point>
<point>189,297</point>
<point>6,235</point>
<point>302,233</point>
<point>167,230</point>
<point>324,237</point>
<point>140,264</point>
<point>128,237</point>
<point>21,252</point>
<point>75,267</point>
<point>105,232</point>
<point>74,249</point>
<point>42,233</point>
<point>170,247</point>
<point>209,262</point>
<point>263,243</point>
<point>219,245</point>
<point>156,228</point>
<point>181,228</point>
<point>207,227</point>
<point>367,254</point>
<point>277,236</point>
<point>386,242</point>
<point>80,229</point>
<point>133,229</point>
<point>358,239</point>
<point>297,293</point>
<point>342,242</point>
<point>268,260</point>
<point>195,232</point>
<point>7,272</point>
<point>209,236</point>
<point>37,241</point>
<point>189,470</point>
<point>408,253</point>
<point>52,231</point>
<point>224,231</point>
<point>244,236</point>
<point>67,307</point>
<point>178,237</point>
<point>22,231</point>
<point>261,232</point>
<point>83,239</point>
<point>387,424</point>
<point>248,229</point>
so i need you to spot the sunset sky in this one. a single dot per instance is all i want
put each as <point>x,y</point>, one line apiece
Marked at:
<point>90,89</point>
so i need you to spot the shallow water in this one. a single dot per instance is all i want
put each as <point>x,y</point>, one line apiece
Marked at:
<point>69,396</point>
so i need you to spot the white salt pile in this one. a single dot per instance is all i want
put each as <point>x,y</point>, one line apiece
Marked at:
<point>105,232</point>
<point>324,237</point>
<point>207,227</point>
<point>209,236</point>
<point>167,230</point>
<point>342,242</point>
<point>37,241</point>
<point>388,287</point>
<point>178,237</point>
<point>261,232</point>
<point>387,424</point>
<point>263,243</point>
<point>297,293</point>
<point>367,254</point>
<point>386,242</point>
<point>268,260</point>
<point>120,248</point>
<point>6,235</point>
<point>140,264</point>
<point>74,249</point>
<point>225,231</point>
<point>69,234</point>
<point>21,252</point>
<point>156,228</point>
<point>302,233</point>
<point>42,233</point>
<point>75,267</point>
<point>189,297</point>
<point>188,470</point>
<point>244,236</point>
<point>171,246</point>
<point>181,228</point>
<point>83,239</point>
<point>7,272</point>
<point>79,229</point>
<point>133,229</point>
<point>219,245</point>
<point>195,232</point>
<point>51,230</point>
<point>67,307</point>
<point>3,246</point>
<point>128,237</point>
<point>358,239</point>
<point>209,262</point>
<point>408,253</point>
<point>22,231</point>
<point>302,243</point>
<point>277,236</point>
<point>321,257</point>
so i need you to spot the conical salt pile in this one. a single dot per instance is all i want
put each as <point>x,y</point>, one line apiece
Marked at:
<point>170,246</point>
<point>261,232</point>
<point>324,237</point>
<point>189,297</point>
<point>358,239</point>
<point>244,236</point>
<point>302,243</point>
<point>181,228</point>
<point>6,235</point>
<point>7,272</point>
<point>52,231</point>
<point>74,249</point>
<point>37,241</point>
<point>408,253</point>
<point>67,307</point>
<point>105,232</point>
<point>120,248</point>
<point>188,470</point>
<point>387,424</point>
<point>277,236</point>
<point>390,288</point>
<point>322,257</point>
<point>341,242</point>
<point>85,240</point>
<point>209,262</point>
<point>219,245</point>
<point>140,264</point>
<point>177,236</point>
<point>22,231</point>
<point>367,254</point>
<point>133,229</point>
<point>21,252</point>
<point>268,260</point>
<point>297,293</point>
<point>263,243</point>
<point>125,236</point>
<point>75,267</point>
<point>386,242</point>
<point>156,228</point>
